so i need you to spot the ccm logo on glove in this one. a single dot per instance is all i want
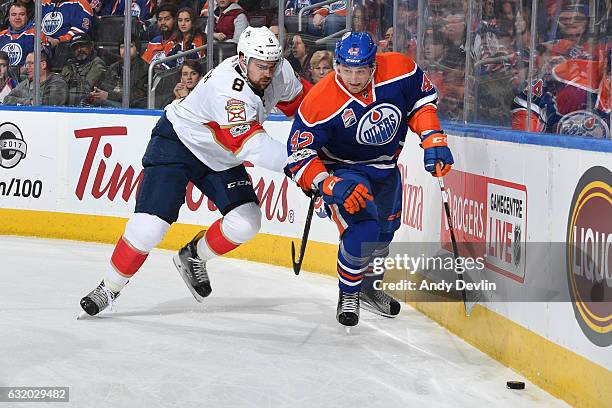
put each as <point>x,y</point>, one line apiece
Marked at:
<point>436,152</point>
<point>433,141</point>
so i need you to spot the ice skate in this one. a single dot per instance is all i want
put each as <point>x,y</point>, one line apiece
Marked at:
<point>347,312</point>
<point>97,300</point>
<point>377,301</point>
<point>193,269</point>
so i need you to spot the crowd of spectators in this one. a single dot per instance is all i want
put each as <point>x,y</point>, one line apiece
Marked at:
<point>478,58</point>
<point>482,70</point>
<point>53,87</point>
<point>108,92</point>
<point>93,72</point>
<point>476,52</point>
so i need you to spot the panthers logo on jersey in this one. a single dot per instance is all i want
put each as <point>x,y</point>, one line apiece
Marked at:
<point>14,51</point>
<point>52,22</point>
<point>379,125</point>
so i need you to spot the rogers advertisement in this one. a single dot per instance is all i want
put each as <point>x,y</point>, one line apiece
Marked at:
<point>490,219</point>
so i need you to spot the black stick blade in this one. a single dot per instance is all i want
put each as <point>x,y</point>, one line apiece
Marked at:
<point>297,265</point>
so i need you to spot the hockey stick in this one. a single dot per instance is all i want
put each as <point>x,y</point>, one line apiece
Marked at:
<point>452,232</point>
<point>297,263</point>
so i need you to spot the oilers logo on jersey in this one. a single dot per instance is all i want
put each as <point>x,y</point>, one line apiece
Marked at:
<point>63,19</point>
<point>157,56</point>
<point>572,100</point>
<point>52,22</point>
<point>584,123</point>
<point>379,125</point>
<point>135,9</point>
<point>14,51</point>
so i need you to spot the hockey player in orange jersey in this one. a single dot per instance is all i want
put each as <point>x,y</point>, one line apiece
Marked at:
<point>344,144</point>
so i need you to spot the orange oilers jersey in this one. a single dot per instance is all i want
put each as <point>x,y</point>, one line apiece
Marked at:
<point>157,49</point>
<point>338,7</point>
<point>181,46</point>
<point>574,100</point>
<point>334,128</point>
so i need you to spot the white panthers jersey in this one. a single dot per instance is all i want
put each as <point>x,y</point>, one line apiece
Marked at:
<point>220,120</point>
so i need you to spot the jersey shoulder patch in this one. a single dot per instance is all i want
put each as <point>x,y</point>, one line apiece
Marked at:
<point>323,101</point>
<point>392,65</point>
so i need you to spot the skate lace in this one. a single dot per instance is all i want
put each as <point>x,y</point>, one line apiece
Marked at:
<point>103,297</point>
<point>350,302</point>
<point>199,269</point>
<point>382,297</point>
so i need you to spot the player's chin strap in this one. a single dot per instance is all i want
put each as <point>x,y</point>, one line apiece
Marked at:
<point>243,71</point>
<point>371,77</point>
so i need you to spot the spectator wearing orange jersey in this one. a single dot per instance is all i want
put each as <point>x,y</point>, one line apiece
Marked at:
<point>328,19</point>
<point>188,37</point>
<point>571,39</point>
<point>160,46</point>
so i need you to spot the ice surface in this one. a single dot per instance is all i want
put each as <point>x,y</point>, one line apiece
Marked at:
<point>264,338</point>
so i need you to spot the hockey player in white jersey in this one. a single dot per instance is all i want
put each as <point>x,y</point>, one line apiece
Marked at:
<point>204,138</point>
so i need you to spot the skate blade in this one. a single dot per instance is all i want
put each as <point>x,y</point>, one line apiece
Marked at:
<point>366,306</point>
<point>348,330</point>
<point>182,272</point>
<point>470,304</point>
<point>82,315</point>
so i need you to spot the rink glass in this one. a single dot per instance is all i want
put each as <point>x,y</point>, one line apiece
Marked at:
<point>478,53</point>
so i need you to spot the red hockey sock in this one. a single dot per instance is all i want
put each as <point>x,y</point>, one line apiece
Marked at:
<point>126,259</point>
<point>216,241</point>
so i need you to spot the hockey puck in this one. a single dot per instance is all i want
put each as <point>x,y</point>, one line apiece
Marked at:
<point>515,385</point>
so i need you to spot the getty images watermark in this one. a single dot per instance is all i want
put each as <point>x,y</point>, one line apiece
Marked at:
<point>447,270</point>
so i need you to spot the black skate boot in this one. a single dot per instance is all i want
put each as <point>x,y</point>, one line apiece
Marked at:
<point>193,269</point>
<point>377,301</point>
<point>98,299</point>
<point>347,312</point>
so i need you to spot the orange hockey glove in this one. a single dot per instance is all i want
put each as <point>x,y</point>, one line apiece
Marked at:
<point>351,195</point>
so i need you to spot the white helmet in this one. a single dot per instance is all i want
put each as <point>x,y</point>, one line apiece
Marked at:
<point>260,43</point>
